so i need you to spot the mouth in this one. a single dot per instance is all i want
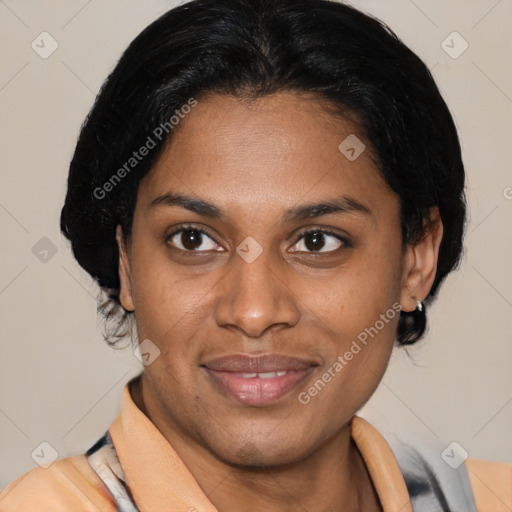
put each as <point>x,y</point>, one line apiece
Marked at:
<point>258,379</point>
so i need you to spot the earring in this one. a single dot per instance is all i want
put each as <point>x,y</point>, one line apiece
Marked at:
<point>419,305</point>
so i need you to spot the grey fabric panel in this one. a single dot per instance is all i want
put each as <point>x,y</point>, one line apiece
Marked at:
<point>103,459</point>
<point>433,485</point>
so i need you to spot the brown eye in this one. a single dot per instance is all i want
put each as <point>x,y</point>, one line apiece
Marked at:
<point>314,240</point>
<point>319,241</point>
<point>192,240</point>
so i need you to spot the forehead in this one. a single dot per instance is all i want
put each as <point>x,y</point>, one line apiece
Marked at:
<point>279,148</point>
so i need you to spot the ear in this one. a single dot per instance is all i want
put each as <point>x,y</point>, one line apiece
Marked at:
<point>125,290</point>
<point>420,263</point>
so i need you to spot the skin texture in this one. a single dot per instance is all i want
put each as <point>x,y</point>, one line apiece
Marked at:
<point>256,160</point>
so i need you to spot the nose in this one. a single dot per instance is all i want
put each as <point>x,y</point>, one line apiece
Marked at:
<point>255,297</point>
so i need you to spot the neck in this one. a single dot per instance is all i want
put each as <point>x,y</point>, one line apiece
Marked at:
<point>333,477</point>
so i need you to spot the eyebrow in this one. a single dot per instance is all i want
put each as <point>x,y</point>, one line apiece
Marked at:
<point>192,204</point>
<point>341,204</point>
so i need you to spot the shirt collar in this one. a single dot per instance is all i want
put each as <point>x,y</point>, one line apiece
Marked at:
<point>144,452</point>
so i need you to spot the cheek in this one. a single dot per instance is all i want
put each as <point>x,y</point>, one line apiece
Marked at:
<point>360,308</point>
<point>165,302</point>
<point>354,297</point>
<point>352,371</point>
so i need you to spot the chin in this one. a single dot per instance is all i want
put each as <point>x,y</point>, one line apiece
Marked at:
<point>260,450</point>
<point>253,456</point>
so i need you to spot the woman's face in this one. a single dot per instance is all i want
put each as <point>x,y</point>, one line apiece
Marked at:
<point>281,254</point>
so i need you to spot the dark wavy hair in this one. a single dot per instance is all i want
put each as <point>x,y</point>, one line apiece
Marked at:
<point>249,49</point>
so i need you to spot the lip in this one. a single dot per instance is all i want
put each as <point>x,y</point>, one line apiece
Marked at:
<point>227,374</point>
<point>249,363</point>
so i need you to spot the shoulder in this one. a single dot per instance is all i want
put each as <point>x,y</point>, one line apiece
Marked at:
<point>68,484</point>
<point>491,483</point>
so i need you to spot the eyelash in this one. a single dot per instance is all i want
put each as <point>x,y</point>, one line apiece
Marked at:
<point>345,241</point>
<point>187,227</point>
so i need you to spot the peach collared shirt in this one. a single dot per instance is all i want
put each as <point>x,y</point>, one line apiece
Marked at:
<point>159,480</point>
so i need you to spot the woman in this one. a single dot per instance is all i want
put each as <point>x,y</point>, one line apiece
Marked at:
<point>274,190</point>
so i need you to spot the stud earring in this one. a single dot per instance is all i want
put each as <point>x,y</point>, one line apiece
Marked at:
<point>419,305</point>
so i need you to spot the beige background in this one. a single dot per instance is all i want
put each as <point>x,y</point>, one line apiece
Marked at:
<point>60,383</point>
